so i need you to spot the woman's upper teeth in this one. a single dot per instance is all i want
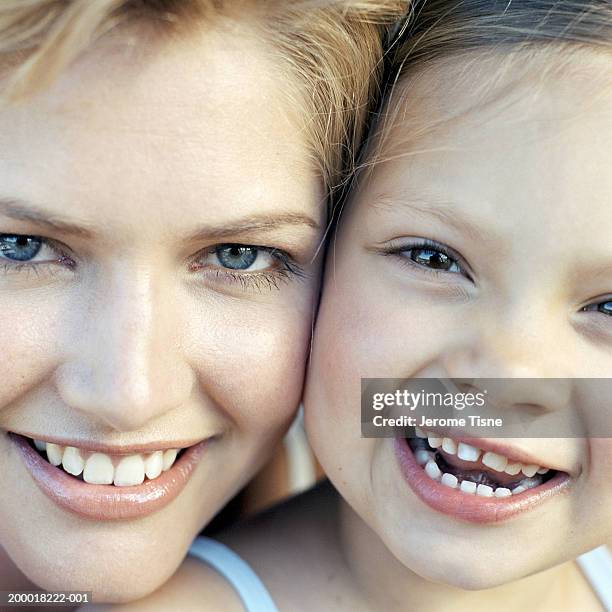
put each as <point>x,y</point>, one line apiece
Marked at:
<point>100,468</point>
<point>470,453</point>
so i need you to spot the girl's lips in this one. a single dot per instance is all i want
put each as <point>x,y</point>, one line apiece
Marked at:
<point>107,502</point>
<point>471,508</point>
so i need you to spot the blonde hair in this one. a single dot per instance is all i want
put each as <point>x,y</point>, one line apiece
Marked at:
<point>333,49</point>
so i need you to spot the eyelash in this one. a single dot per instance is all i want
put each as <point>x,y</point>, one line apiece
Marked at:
<point>401,252</point>
<point>254,281</point>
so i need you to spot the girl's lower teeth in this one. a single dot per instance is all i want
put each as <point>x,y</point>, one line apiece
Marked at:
<point>479,483</point>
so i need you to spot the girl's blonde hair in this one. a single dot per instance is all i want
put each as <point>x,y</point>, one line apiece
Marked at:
<point>332,48</point>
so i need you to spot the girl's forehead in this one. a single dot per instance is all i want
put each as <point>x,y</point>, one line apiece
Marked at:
<point>549,82</point>
<point>471,121</point>
<point>524,160</point>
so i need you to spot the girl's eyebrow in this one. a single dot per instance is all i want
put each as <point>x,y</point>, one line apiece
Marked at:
<point>24,211</point>
<point>445,211</point>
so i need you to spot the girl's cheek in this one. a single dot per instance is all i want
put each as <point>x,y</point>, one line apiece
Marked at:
<point>597,499</point>
<point>369,331</point>
<point>601,466</point>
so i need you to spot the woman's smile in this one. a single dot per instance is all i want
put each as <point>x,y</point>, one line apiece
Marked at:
<point>98,485</point>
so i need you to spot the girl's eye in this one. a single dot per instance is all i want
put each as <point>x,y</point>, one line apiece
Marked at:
<point>426,257</point>
<point>433,258</point>
<point>20,248</point>
<point>603,307</point>
<point>241,257</point>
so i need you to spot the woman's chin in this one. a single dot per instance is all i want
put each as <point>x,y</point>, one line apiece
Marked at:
<point>100,569</point>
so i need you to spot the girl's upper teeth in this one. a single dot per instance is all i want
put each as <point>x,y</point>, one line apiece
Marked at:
<point>102,469</point>
<point>467,452</point>
<point>449,445</point>
<point>434,442</point>
<point>494,461</point>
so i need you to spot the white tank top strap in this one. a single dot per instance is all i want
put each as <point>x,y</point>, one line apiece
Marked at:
<point>236,571</point>
<point>596,565</point>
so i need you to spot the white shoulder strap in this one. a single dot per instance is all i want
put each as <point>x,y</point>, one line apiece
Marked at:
<point>238,573</point>
<point>596,565</point>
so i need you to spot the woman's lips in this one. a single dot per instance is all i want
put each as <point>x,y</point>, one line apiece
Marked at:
<point>471,508</point>
<point>107,502</point>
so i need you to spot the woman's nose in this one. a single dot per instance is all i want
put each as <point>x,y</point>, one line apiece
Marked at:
<point>124,363</point>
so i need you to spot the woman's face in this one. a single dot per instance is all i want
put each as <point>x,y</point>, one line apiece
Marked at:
<point>480,248</point>
<point>159,220</point>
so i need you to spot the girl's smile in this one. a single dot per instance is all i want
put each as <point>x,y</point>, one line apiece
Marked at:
<point>473,482</point>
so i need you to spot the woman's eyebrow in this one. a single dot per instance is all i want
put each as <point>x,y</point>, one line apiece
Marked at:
<point>254,223</point>
<point>21,210</point>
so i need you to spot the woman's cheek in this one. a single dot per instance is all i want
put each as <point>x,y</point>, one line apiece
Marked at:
<point>251,363</point>
<point>30,331</point>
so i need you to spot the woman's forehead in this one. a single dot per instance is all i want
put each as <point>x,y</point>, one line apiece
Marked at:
<point>189,127</point>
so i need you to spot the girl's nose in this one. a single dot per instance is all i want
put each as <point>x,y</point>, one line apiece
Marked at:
<point>523,344</point>
<point>124,363</point>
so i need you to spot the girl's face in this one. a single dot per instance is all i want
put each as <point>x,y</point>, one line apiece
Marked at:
<point>158,224</point>
<point>480,248</point>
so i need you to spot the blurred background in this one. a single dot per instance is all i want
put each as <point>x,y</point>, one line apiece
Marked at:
<point>292,469</point>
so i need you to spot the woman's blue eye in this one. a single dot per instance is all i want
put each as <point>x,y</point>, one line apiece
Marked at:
<point>603,307</point>
<point>236,256</point>
<point>252,266</point>
<point>19,248</point>
<point>433,259</point>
